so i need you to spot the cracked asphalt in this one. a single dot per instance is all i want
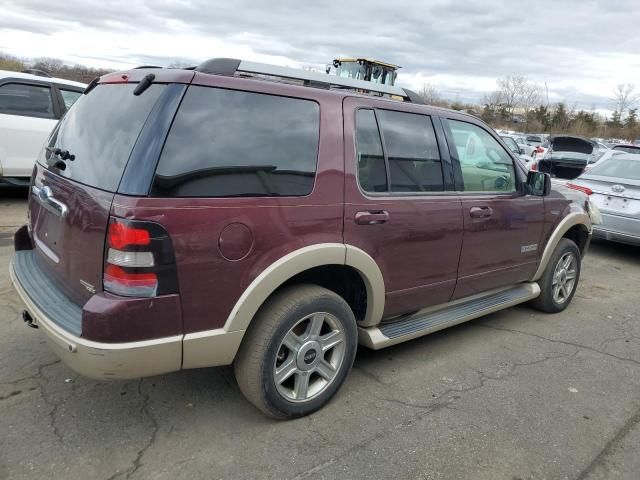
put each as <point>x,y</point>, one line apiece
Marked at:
<point>515,395</point>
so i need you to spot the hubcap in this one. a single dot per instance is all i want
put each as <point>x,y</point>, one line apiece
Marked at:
<point>309,357</point>
<point>564,277</point>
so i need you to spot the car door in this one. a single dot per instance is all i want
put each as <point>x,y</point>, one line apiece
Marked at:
<point>27,116</point>
<point>502,224</point>
<point>400,206</point>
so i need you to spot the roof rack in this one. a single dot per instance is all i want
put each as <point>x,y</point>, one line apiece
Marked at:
<point>229,67</point>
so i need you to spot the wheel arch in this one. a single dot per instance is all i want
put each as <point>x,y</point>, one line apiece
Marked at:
<point>576,226</point>
<point>219,346</point>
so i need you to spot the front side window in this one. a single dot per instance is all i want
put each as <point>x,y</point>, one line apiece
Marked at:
<point>26,100</point>
<point>485,165</point>
<point>69,97</point>
<point>227,143</point>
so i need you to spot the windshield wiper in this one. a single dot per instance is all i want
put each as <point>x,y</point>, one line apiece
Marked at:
<point>63,154</point>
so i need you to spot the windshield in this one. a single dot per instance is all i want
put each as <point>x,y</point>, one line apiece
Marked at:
<point>100,130</point>
<point>626,168</point>
<point>511,144</point>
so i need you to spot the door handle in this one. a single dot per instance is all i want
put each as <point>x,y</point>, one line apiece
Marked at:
<point>371,217</point>
<point>44,196</point>
<point>480,212</point>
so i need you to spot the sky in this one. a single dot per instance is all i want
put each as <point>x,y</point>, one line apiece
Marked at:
<point>576,50</point>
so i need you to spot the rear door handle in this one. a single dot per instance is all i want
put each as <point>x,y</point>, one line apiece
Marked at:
<point>480,212</point>
<point>371,217</point>
<point>44,196</point>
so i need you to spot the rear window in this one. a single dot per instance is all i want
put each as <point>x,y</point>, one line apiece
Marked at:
<point>100,130</point>
<point>618,167</point>
<point>532,138</point>
<point>227,143</point>
<point>627,149</point>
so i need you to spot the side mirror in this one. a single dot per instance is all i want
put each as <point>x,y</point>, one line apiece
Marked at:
<point>520,152</point>
<point>538,183</point>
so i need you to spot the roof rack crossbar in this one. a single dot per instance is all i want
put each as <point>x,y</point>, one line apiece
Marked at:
<point>229,66</point>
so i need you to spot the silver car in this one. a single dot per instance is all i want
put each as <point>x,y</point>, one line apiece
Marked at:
<point>614,187</point>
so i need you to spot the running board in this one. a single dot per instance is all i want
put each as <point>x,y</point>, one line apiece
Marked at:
<point>436,318</point>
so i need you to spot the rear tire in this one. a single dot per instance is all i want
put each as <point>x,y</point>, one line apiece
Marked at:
<point>560,279</point>
<point>298,351</point>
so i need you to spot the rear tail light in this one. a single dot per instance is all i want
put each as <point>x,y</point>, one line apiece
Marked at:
<point>586,190</point>
<point>534,166</point>
<point>539,149</point>
<point>139,259</point>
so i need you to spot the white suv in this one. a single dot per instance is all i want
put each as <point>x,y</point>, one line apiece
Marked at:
<point>30,106</point>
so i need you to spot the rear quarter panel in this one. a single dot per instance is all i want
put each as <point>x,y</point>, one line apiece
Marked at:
<point>210,284</point>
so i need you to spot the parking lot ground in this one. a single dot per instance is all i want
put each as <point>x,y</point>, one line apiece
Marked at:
<point>515,395</point>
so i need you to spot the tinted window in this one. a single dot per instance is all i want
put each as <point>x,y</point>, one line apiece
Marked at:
<point>485,164</point>
<point>231,143</point>
<point>412,152</point>
<point>100,130</point>
<point>69,97</point>
<point>28,100</point>
<point>372,173</point>
<point>534,139</point>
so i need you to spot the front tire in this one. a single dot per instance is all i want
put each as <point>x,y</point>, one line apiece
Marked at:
<point>298,351</point>
<point>560,279</point>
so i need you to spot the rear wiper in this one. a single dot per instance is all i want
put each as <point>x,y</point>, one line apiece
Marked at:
<point>144,84</point>
<point>63,154</point>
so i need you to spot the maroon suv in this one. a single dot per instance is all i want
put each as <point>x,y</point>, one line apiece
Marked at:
<point>273,219</point>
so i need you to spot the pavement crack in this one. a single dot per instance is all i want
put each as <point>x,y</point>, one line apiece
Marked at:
<point>562,342</point>
<point>35,376</point>
<point>610,446</point>
<point>53,406</point>
<point>137,462</point>
<point>369,374</point>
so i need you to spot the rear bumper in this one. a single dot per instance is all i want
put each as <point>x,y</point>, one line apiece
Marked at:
<point>620,237</point>
<point>104,360</point>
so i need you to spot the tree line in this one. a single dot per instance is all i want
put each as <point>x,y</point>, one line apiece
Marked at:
<point>52,66</point>
<point>519,104</point>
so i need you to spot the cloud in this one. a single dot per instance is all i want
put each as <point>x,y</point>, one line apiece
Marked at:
<point>581,50</point>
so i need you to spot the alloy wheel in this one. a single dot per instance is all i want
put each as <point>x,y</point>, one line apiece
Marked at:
<point>309,357</point>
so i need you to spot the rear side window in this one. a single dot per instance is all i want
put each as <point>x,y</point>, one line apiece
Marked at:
<point>226,143</point>
<point>100,130</point>
<point>26,100</point>
<point>69,97</point>
<point>410,150</point>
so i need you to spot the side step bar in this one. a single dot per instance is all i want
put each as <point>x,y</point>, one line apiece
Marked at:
<point>436,318</point>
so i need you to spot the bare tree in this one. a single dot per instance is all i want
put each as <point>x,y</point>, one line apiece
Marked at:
<point>511,88</point>
<point>530,96</point>
<point>624,97</point>
<point>430,94</point>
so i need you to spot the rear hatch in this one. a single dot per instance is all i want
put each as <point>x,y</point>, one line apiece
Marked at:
<point>615,184</point>
<point>75,180</point>
<point>566,156</point>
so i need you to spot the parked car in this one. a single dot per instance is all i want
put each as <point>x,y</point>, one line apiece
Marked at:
<point>521,140</point>
<point>274,226</point>
<point>516,148</point>
<point>30,106</point>
<point>627,148</point>
<point>613,184</point>
<point>565,156</point>
<point>536,140</point>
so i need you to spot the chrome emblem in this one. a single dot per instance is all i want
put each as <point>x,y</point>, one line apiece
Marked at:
<point>618,188</point>
<point>88,286</point>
